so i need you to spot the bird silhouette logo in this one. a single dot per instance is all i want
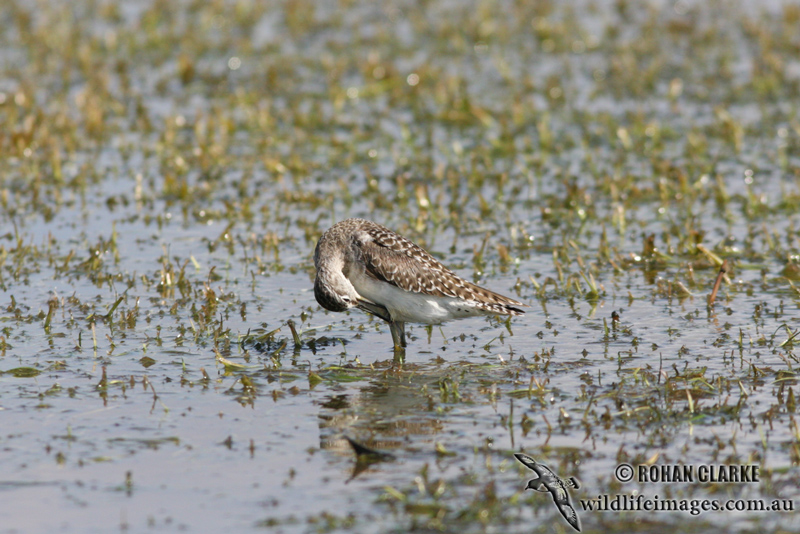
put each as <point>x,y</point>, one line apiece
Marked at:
<point>548,481</point>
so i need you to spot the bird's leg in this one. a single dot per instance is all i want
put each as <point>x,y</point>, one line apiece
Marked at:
<point>399,339</point>
<point>398,329</point>
<point>399,357</point>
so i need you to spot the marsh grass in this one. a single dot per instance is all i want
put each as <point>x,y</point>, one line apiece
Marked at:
<point>167,168</point>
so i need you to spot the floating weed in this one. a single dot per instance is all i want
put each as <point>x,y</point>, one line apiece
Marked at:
<point>313,379</point>
<point>231,367</point>
<point>789,341</point>
<point>177,207</point>
<point>23,372</point>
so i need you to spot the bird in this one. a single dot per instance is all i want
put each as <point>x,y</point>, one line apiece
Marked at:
<point>362,264</point>
<point>555,485</point>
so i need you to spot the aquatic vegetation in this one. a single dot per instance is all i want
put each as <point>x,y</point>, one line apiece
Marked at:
<point>167,168</point>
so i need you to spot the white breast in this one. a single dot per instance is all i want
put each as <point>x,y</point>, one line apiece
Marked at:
<point>411,307</point>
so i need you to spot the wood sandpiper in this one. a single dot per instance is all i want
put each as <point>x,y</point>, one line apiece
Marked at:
<point>361,264</point>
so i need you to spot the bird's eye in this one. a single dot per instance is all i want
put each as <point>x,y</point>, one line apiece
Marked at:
<point>346,299</point>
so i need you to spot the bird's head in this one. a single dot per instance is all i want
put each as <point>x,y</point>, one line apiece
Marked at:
<point>332,289</point>
<point>335,292</point>
<point>534,484</point>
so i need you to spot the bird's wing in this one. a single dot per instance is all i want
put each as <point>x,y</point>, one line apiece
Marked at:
<point>392,258</point>
<point>559,494</point>
<point>569,513</point>
<point>526,460</point>
<point>561,498</point>
<point>374,309</point>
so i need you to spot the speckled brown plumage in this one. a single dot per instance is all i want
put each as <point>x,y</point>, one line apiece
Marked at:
<point>392,258</point>
<point>389,257</point>
<point>361,264</point>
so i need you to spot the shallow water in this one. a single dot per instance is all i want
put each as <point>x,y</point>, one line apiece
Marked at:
<point>160,205</point>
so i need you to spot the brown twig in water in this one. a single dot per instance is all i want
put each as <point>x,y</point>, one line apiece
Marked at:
<point>293,328</point>
<point>723,270</point>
